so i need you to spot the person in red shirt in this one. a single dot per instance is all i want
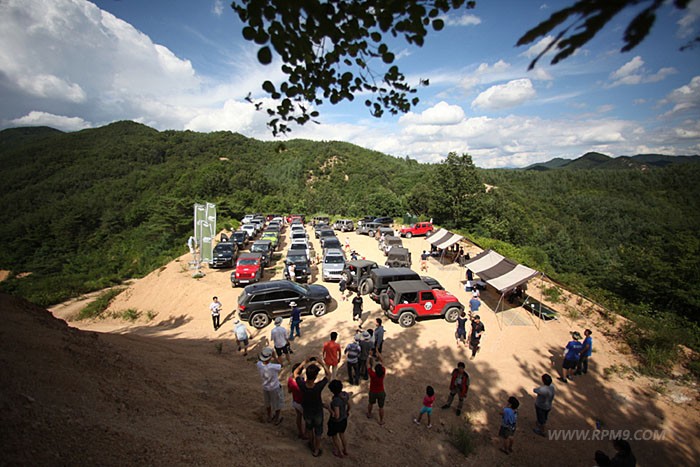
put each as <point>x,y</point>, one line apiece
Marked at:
<point>331,354</point>
<point>297,398</point>
<point>376,387</point>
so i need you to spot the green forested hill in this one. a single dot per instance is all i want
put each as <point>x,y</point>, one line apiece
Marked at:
<point>87,209</point>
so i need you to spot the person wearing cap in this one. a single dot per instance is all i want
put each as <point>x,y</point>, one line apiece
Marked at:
<point>352,356</point>
<point>242,337</point>
<point>272,389</point>
<point>582,365</point>
<point>215,308</point>
<point>572,351</point>
<point>295,320</point>
<point>365,348</point>
<point>278,335</point>
<point>475,335</point>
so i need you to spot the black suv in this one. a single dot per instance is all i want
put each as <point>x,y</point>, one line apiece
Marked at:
<point>264,247</point>
<point>385,221</point>
<point>223,255</point>
<point>262,302</point>
<point>302,266</point>
<point>357,273</point>
<point>379,280</point>
<point>240,238</point>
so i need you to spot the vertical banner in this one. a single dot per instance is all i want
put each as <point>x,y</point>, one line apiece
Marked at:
<point>205,229</point>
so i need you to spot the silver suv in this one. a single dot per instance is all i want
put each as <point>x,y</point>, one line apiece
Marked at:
<point>333,264</point>
<point>344,225</point>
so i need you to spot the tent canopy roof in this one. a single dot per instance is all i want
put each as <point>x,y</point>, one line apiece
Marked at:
<point>444,239</point>
<point>498,271</point>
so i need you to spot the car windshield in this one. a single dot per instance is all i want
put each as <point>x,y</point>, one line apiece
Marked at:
<point>247,262</point>
<point>334,259</point>
<point>238,235</point>
<point>258,247</point>
<point>297,246</point>
<point>223,247</point>
<point>297,259</point>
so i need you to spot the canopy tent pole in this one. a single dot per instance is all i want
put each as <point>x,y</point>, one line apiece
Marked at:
<point>500,324</point>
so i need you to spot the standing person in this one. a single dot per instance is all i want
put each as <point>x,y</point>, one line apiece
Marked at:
<point>295,320</point>
<point>331,354</point>
<point>293,389</point>
<point>312,403</point>
<point>475,335</point>
<point>357,307</point>
<point>582,365</point>
<point>242,337</point>
<point>352,356</point>
<point>572,351</point>
<point>509,421</point>
<point>379,336</point>
<point>339,409</point>
<point>376,387</point>
<point>347,243</point>
<point>427,408</point>
<point>424,261</point>
<point>459,385</point>
<point>278,335</point>
<point>291,271</point>
<point>365,348</point>
<point>215,308</point>
<point>470,275</point>
<point>543,404</point>
<point>474,304</point>
<point>461,333</point>
<point>272,389</point>
<point>343,285</point>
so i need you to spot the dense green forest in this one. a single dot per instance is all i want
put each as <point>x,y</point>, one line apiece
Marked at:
<point>84,210</point>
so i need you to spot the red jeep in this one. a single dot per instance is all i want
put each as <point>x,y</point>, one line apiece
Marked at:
<point>419,228</point>
<point>407,301</point>
<point>248,269</point>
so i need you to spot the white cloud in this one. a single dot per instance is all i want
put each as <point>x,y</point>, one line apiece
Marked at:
<point>684,98</point>
<point>463,20</point>
<point>686,25</point>
<point>535,49</point>
<point>506,95</point>
<point>51,86</point>
<point>60,122</point>
<point>440,114</point>
<point>218,7</point>
<point>633,72</point>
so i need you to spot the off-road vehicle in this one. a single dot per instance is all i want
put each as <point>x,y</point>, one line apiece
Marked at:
<point>398,257</point>
<point>333,264</point>
<point>240,238</point>
<point>302,266</point>
<point>419,228</point>
<point>261,303</point>
<point>249,269</point>
<point>385,221</point>
<point>223,255</point>
<point>390,242</point>
<point>407,301</point>
<point>357,275</point>
<point>368,228</point>
<point>344,225</point>
<point>380,278</point>
<point>264,247</point>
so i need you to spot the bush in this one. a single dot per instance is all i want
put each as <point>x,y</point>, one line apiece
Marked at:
<point>463,439</point>
<point>100,304</point>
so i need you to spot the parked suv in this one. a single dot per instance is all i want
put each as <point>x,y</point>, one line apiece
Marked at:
<point>249,269</point>
<point>333,264</point>
<point>406,301</point>
<point>302,266</point>
<point>240,238</point>
<point>368,228</point>
<point>419,228</point>
<point>356,275</point>
<point>344,225</point>
<point>386,221</point>
<point>264,247</point>
<point>261,303</point>
<point>223,255</point>
<point>390,242</point>
<point>380,278</point>
<point>398,257</point>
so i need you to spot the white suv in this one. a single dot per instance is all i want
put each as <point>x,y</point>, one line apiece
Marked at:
<point>333,264</point>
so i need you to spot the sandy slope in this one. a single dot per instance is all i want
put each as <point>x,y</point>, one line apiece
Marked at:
<point>179,391</point>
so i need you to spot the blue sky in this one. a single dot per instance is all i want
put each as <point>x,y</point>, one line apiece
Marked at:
<point>180,64</point>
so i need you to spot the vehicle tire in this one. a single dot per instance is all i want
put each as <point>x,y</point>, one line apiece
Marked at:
<point>451,314</point>
<point>318,309</point>
<point>409,235</point>
<point>259,320</point>
<point>366,287</point>
<point>407,319</point>
<point>348,278</point>
<point>428,233</point>
<point>384,301</point>
<point>370,233</point>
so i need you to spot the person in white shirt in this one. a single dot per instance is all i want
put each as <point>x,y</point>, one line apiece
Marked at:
<point>242,337</point>
<point>279,339</point>
<point>215,308</point>
<point>272,389</point>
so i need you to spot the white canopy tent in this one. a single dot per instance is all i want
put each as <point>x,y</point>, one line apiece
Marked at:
<point>444,239</point>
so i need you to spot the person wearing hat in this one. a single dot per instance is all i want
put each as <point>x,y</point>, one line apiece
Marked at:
<point>475,335</point>
<point>352,358</point>
<point>272,389</point>
<point>295,320</point>
<point>572,352</point>
<point>365,349</point>
<point>242,337</point>
<point>278,335</point>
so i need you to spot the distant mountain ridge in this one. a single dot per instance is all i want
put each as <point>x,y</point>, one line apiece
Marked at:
<point>596,160</point>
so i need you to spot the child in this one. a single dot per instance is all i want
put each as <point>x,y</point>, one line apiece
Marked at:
<point>508,423</point>
<point>339,409</point>
<point>427,408</point>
